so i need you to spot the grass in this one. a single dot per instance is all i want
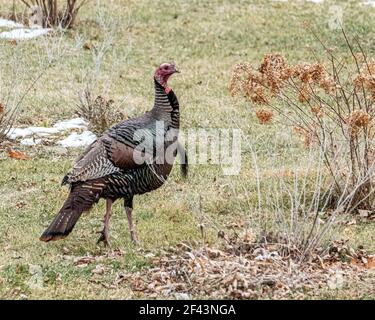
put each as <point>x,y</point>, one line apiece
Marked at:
<point>205,40</point>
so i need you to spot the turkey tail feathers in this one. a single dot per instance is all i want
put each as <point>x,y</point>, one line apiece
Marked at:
<point>81,198</point>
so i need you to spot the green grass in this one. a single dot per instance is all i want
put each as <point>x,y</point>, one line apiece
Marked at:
<point>205,40</point>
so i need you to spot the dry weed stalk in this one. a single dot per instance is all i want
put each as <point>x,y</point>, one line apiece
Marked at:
<point>329,105</point>
<point>13,93</point>
<point>101,112</point>
<point>293,208</point>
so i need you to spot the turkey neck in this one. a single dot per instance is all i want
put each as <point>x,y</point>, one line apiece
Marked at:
<point>166,107</point>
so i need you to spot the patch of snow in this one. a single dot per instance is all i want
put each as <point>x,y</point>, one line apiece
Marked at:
<point>76,123</point>
<point>5,23</point>
<point>30,141</point>
<point>76,140</point>
<point>15,133</point>
<point>370,3</point>
<point>43,131</point>
<point>23,33</point>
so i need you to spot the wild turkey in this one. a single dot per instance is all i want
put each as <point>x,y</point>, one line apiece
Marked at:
<point>121,165</point>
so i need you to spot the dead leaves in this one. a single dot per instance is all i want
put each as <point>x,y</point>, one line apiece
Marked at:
<point>370,264</point>
<point>362,216</point>
<point>364,262</point>
<point>366,215</point>
<point>88,45</point>
<point>351,222</point>
<point>341,251</point>
<point>18,155</point>
<point>83,261</point>
<point>245,270</point>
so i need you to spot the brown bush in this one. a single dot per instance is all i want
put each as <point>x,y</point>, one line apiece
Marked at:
<point>53,14</point>
<point>330,106</point>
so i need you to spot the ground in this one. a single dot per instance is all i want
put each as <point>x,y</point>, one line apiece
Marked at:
<point>204,39</point>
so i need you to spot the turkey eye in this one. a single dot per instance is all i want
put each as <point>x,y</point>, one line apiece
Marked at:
<point>165,68</point>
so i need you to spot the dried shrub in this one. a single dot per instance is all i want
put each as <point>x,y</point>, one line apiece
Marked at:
<point>51,13</point>
<point>330,105</point>
<point>100,112</point>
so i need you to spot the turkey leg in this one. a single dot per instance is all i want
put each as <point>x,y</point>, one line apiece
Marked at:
<point>104,233</point>
<point>128,204</point>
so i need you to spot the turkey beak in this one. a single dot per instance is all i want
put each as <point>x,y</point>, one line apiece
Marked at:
<point>176,71</point>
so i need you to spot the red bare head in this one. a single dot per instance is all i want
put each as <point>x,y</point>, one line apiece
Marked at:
<point>163,73</point>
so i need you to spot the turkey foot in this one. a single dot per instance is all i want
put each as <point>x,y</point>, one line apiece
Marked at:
<point>104,237</point>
